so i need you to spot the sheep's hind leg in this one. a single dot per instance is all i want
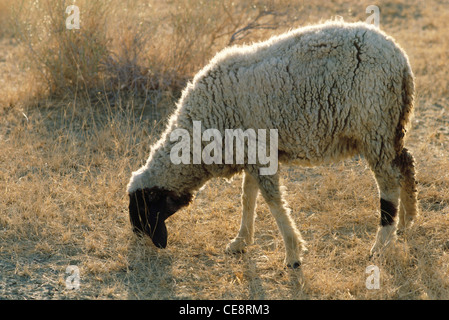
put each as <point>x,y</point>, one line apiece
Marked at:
<point>388,181</point>
<point>294,244</point>
<point>409,204</point>
<point>245,236</point>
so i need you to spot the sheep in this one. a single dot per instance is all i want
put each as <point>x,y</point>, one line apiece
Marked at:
<point>331,91</point>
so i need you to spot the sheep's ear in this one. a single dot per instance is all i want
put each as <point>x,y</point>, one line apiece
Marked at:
<point>174,203</point>
<point>137,211</point>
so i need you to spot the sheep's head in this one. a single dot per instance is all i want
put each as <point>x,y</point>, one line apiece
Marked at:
<point>149,208</point>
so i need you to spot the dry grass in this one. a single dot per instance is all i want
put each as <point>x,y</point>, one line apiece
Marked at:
<point>65,161</point>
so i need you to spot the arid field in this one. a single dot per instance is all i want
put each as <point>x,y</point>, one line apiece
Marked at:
<point>80,108</point>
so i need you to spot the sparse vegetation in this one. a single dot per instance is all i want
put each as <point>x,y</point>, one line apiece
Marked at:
<point>79,110</point>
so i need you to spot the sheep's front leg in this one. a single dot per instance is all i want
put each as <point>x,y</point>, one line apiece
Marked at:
<point>246,234</point>
<point>294,244</point>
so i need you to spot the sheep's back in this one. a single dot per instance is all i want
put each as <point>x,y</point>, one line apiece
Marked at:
<point>320,87</point>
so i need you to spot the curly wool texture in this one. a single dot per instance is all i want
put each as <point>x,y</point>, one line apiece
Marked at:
<point>331,91</point>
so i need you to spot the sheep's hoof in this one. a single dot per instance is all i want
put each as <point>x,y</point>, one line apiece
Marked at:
<point>374,253</point>
<point>405,224</point>
<point>230,251</point>
<point>294,265</point>
<point>236,246</point>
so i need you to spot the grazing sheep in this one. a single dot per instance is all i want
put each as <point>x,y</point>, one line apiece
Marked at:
<point>330,91</point>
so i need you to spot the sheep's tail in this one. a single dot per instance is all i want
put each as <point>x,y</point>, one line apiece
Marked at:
<point>408,90</point>
<point>404,159</point>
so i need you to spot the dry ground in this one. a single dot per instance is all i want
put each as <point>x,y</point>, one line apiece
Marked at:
<point>65,163</point>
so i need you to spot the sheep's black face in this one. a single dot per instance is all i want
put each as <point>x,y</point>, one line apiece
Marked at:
<point>149,208</point>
